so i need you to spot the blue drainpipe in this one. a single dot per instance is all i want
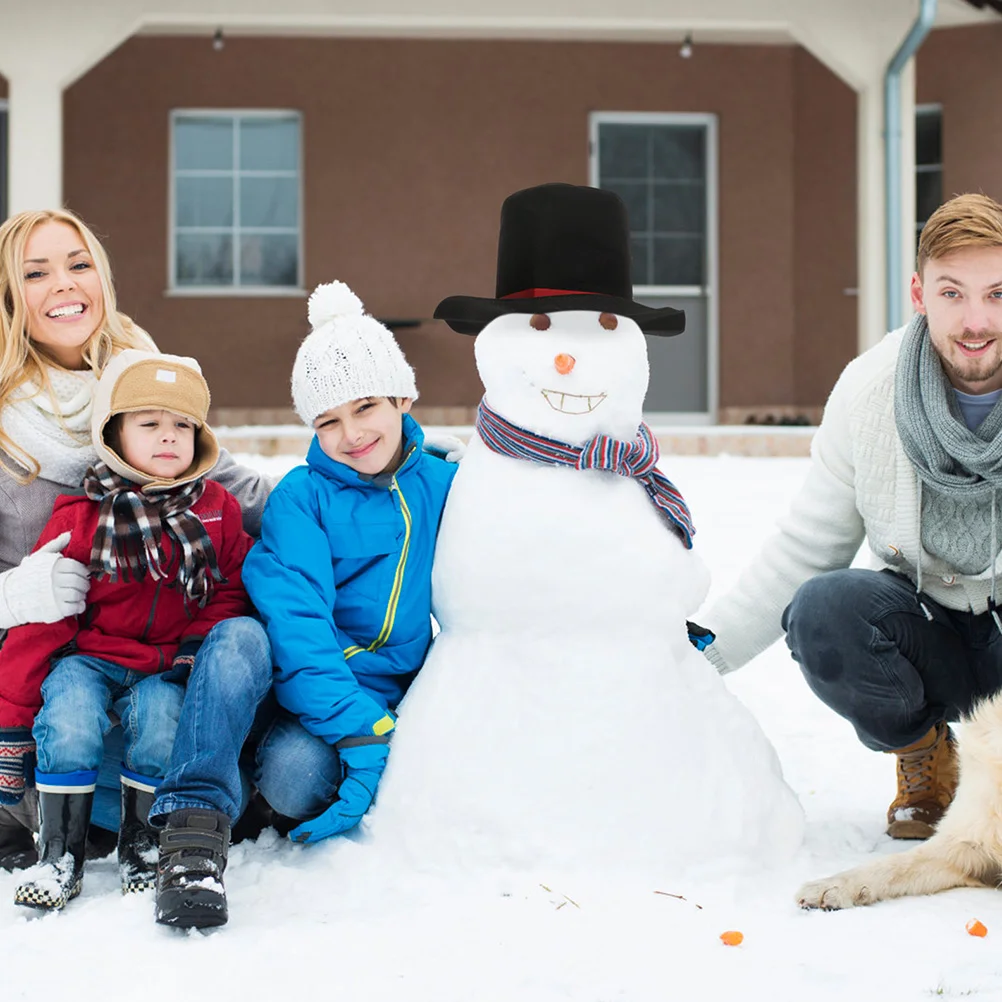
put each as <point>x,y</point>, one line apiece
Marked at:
<point>892,159</point>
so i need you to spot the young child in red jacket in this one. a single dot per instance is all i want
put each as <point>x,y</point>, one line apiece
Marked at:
<point>164,547</point>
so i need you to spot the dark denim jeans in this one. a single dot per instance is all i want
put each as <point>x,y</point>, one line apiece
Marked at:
<point>868,650</point>
<point>231,677</point>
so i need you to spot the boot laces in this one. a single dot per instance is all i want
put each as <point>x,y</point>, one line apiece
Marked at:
<point>917,770</point>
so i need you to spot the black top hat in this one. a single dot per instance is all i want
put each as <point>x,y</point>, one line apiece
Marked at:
<point>561,247</point>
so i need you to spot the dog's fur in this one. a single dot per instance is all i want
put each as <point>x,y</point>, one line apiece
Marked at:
<point>966,849</point>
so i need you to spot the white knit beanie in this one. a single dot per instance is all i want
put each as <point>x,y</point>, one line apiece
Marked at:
<point>348,355</point>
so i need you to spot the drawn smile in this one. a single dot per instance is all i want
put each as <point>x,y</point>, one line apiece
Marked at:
<point>573,403</point>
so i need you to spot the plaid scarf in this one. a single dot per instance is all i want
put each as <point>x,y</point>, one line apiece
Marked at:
<point>628,459</point>
<point>130,530</point>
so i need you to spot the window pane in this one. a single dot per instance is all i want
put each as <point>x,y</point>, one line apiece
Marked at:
<point>678,261</point>
<point>928,193</point>
<point>269,201</point>
<point>269,259</point>
<point>269,144</point>
<point>204,201</point>
<point>677,152</point>
<point>679,208</point>
<point>634,194</point>
<point>204,259</point>
<point>622,151</point>
<point>203,143</point>
<point>638,249</point>
<point>929,137</point>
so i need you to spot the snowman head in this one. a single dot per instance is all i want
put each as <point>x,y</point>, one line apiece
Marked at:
<point>568,375</point>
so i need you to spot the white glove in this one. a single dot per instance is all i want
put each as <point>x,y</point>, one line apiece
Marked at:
<point>44,588</point>
<point>446,447</point>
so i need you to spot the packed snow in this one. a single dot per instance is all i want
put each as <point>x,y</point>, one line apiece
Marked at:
<point>340,920</point>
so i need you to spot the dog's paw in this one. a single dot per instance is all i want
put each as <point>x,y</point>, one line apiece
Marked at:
<point>841,891</point>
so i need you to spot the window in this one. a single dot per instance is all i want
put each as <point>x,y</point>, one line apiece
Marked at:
<point>3,160</point>
<point>928,162</point>
<point>235,201</point>
<point>659,169</point>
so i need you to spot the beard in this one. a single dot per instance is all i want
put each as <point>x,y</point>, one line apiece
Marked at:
<point>973,371</point>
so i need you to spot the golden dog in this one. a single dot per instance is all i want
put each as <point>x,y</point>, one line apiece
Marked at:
<point>966,849</point>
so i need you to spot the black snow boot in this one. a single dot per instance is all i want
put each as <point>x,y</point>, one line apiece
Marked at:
<point>193,847</point>
<point>62,839</point>
<point>137,840</point>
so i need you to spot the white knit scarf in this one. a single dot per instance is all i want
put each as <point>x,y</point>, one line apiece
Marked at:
<point>54,430</point>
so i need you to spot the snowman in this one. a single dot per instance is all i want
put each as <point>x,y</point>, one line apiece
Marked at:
<point>562,719</point>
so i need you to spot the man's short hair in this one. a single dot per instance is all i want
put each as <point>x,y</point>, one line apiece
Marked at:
<point>971,220</point>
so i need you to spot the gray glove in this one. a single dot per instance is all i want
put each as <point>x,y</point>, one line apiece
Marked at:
<point>44,588</point>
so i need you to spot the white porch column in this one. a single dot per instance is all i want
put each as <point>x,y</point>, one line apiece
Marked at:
<point>870,207</point>
<point>872,245</point>
<point>35,140</point>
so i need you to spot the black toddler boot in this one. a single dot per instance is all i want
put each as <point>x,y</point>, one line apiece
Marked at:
<point>193,847</point>
<point>17,843</point>
<point>137,840</point>
<point>62,839</point>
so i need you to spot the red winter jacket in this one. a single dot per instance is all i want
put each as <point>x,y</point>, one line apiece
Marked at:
<point>137,625</point>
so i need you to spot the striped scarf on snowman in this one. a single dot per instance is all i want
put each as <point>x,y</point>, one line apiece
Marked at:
<point>637,459</point>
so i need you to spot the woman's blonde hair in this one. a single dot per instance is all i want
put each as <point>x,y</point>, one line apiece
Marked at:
<point>20,359</point>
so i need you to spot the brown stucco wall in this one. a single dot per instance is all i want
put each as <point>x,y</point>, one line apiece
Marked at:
<point>410,147</point>
<point>824,124</point>
<point>960,69</point>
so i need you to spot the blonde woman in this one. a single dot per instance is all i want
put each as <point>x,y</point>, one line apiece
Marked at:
<point>59,326</point>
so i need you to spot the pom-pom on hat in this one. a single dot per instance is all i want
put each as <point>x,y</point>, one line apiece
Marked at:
<point>349,355</point>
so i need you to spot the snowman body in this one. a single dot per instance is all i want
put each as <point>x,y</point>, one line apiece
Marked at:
<point>562,719</point>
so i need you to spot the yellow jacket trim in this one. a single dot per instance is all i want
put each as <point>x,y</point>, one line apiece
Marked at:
<point>398,581</point>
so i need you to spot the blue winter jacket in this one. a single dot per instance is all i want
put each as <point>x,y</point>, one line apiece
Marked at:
<point>342,579</point>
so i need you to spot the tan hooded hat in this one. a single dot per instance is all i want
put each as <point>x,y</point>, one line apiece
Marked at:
<point>137,380</point>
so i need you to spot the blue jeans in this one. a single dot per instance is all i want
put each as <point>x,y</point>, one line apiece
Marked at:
<point>868,650</point>
<point>70,728</point>
<point>231,676</point>
<point>295,771</point>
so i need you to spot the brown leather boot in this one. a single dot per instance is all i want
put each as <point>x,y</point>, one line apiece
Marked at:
<point>927,780</point>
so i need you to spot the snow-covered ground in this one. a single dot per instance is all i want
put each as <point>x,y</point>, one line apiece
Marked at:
<point>335,921</point>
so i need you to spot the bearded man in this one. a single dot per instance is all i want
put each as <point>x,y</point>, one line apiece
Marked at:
<point>908,457</point>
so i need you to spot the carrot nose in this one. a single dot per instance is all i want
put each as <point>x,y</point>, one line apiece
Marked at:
<point>564,363</point>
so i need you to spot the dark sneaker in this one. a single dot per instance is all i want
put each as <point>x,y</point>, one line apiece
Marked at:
<point>190,891</point>
<point>927,781</point>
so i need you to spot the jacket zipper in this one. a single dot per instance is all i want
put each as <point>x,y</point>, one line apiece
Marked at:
<point>398,581</point>
<point>153,610</point>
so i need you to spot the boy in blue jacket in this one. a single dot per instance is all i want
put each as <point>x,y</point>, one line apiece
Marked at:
<point>342,573</point>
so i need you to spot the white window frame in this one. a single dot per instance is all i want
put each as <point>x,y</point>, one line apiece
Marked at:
<point>5,175</point>
<point>230,291</point>
<point>929,109</point>
<point>710,288</point>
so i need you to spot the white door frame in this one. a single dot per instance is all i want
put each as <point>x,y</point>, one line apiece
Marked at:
<point>711,289</point>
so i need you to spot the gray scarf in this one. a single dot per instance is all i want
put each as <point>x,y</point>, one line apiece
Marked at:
<point>959,470</point>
